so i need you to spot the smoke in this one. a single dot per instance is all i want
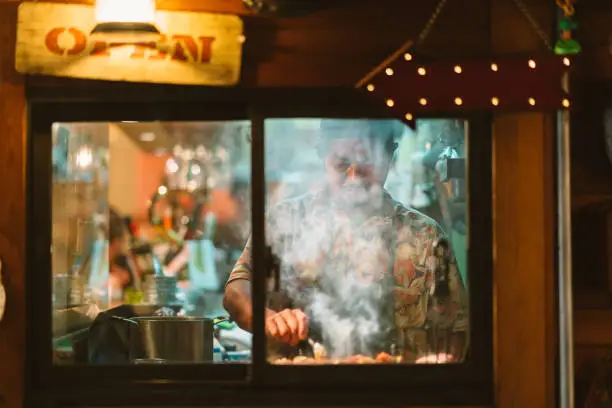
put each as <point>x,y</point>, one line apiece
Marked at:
<point>334,266</point>
<point>335,249</point>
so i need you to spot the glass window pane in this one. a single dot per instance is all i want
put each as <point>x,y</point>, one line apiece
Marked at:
<point>367,220</point>
<point>148,222</point>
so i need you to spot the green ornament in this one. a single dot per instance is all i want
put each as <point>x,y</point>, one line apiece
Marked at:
<point>567,24</point>
<point>567,47</point>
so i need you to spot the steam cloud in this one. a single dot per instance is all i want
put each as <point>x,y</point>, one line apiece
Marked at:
<point>333,266</point>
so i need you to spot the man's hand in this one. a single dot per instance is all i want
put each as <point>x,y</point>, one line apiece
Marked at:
<point>289,326</point>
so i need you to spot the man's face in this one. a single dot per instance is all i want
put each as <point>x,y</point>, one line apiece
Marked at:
<point>356,170</point>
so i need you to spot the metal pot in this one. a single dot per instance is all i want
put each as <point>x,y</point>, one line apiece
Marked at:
<point>171,339</point>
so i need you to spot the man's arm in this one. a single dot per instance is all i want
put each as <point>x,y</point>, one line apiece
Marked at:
<point>237,299</point>
<point>288,326</point>
<point>461,326</point>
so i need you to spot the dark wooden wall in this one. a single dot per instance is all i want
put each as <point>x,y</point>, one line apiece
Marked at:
<point>12,215</point>
<point>591,193</point>
<point>336,47</point>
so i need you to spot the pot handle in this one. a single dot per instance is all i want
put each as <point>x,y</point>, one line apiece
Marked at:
<point>123,319</point>
<point>223,322</point>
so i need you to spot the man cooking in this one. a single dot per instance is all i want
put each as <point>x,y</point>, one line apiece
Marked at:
<point>358,269</point>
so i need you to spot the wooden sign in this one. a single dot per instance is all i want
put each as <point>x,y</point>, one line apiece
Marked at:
<point>195,48</point>
<point>409,88</point>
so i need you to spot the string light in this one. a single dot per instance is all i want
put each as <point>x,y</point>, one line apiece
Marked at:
<point>494,67</point>
<point>494,101</point>
<point>370,87</point>
<point>423,101</point>
<point>390,103</point>
<point>532,101</point>
<point>567,62</point>
<point>565,102</point>
<point>422,71</point>
<point>458,69</point>
<point>532,64</point>
<point>389,71</point>
<point>408,56</point>
<point>458,101</point>
<point>408,116</point>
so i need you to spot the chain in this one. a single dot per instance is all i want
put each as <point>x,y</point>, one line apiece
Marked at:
<point>567,6</point>
<point>543,36</point>
<point>430,23</point>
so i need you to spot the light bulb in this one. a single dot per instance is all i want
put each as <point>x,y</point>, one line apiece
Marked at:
<point>390,103</point>
<point>147,137</point>
<point>494,67</point>
<point>84,158</point>
<point>494,101</point>
<point>389,71</point>
<point>408,116</point>
<point>458,101</point>
<point>458,69</point>
<point>408,56</point>
<point>423,101</point>
<point>565,102</point>
<point>118,11</point>
<point>422,71</point>
<point>567,62</point>
<point>172,166</point>
<point>532,64</point>
<point>532,101</point>
<point>370,87</point>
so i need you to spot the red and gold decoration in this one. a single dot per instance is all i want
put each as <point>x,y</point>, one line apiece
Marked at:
<point>410,88</point>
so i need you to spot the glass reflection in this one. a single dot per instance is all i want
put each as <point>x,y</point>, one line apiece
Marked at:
<point>367,225</point>
<point>148,220</point>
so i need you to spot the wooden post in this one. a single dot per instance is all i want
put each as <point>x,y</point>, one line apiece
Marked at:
<point>523,230</point>
<point>523,227</point>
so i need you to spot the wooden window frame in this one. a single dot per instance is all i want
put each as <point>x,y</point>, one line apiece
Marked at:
<point>470,383</point>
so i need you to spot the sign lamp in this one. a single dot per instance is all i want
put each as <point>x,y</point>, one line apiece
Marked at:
<point>126,20</point>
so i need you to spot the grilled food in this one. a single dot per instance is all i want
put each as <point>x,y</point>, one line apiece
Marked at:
<point>357,359</point>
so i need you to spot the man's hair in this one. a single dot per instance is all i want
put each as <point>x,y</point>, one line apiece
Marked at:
<point>380,131</point>
<point>116,226</point>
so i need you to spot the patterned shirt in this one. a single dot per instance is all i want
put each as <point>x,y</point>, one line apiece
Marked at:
<point>310,237</point>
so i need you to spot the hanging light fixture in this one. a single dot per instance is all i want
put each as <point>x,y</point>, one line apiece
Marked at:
<point>122,21</point>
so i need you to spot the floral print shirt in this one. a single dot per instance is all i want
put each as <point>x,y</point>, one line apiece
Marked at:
<point>396,246</point>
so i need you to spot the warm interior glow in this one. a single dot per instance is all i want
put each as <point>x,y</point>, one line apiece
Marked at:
<point>458,101</point>
<point>390,103</point>
<point>125,11</point>
<point>531,101</point>
<point>408,116</point>
<point>389,71</point>
<point>566,62</point>
<point>532,64</point>
<point>421,71</point>
<point>565,103</point>
<point>370,87</point>
<point>423,101</point>
<point>494,67</point>
<point>408,56</point>
<point>458,69</point>
<point>494,101</point>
